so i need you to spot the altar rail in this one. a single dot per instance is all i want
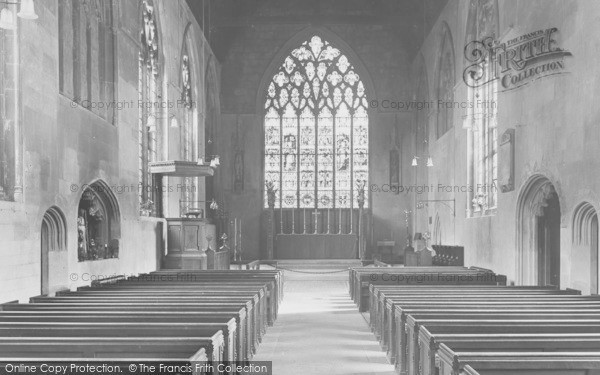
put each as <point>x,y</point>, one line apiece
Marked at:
<point>306,221</point>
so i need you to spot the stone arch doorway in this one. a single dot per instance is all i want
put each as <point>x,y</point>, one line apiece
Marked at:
<point>584,256</point>
<point>98,223</point>
<point>53,244</point>
<point>538,233</point>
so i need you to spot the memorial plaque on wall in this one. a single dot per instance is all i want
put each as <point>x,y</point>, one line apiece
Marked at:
<point>506,161</point>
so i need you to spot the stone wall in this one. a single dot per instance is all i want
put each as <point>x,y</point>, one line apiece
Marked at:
<point>65,147</point>
<point>555,121</point>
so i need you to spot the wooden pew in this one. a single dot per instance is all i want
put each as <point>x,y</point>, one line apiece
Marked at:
<point>206,285</point>
<point>133,350</point>
<point>181,348</point>
<point>543,342</point>
<point>402,314</point>
<point>233,323</point>
<point>517,363</point>
<point>52,328</point>
<point>491,326</point>
<point>407,276</point>
<point>257,275</point>
<point>259,305</point>
<point>224,352</point>
<point>385,323</point>
<point>255,330</point>
<point>150,307</point>
<point>355,273</point>
<point>380,296</point>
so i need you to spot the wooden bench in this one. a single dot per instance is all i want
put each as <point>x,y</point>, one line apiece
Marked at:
<point>250,332</point>
<point>255,330</point>
<point>110,328</point>
<point>380,296</point>
<point>403,312</point>
<point>384,325</point>
<point>543,342</point>
<point>518,363</point>
<point>464,326</point>
<point>258,308</point>
<point>271,292</point>
<point>208,286</point>
<point>407,276</point>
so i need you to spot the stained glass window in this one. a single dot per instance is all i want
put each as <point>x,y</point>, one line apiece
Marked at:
<point>148,92</point>
<point>316,129</point>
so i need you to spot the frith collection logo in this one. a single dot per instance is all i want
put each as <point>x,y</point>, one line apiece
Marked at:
<point>516,62</point>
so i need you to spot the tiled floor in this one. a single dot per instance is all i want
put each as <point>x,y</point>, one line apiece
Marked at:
<point>320,331</point>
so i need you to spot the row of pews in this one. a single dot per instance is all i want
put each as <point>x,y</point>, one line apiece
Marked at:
<point>176,316</point>
<point>452,329</point>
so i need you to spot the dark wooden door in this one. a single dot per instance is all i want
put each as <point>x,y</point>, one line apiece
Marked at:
<point>549,244</point>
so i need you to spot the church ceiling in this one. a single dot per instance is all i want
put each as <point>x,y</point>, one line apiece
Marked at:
<point>226,20</point>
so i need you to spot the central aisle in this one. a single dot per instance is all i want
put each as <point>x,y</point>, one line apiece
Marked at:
<point>320,331</point>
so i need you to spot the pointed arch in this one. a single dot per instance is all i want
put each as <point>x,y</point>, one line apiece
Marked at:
<point>537,193</point>
<point>98,223</point>
<point>445,82</point>
<point>316,128</point>
<point>584,258</point>
<point>297,40</point>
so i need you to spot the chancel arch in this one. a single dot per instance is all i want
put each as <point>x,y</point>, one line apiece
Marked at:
<point>98,223</point>
<point>315,117</point>
<point>584,253</point>
<point>538,233</point>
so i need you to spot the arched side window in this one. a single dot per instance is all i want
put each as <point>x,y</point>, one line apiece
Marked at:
<point>316,130</point>
<point>86,54</point>
<point>148,93</point>
<point>481,121</point>
<point>445,86</point>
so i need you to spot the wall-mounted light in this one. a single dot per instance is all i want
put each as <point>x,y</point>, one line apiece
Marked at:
<point>26,11</point>
<point>415,162</point>
<point>213,205</point>
<point>200,161</point>
<point>174,123</point>
<point>430,161</point>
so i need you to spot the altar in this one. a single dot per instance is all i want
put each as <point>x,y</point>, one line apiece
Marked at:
<point>316,246</point>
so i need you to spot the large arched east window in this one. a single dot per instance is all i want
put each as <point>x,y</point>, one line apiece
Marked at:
<point>316,130</point>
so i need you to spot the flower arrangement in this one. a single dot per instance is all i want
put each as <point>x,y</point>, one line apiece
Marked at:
<point>147,208</point>
<point>271,193</point>
<point>480,201</point>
